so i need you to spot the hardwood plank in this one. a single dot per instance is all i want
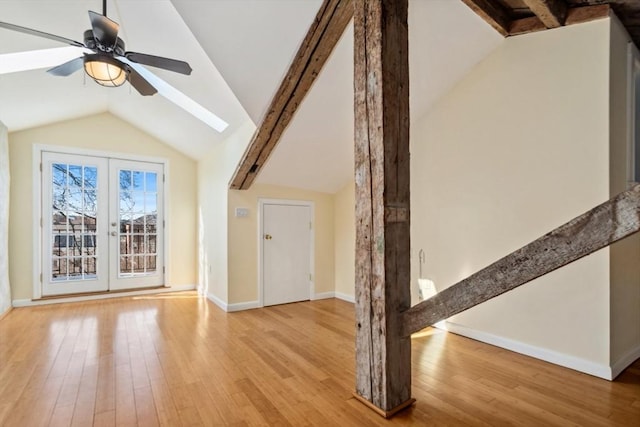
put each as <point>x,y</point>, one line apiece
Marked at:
<point>61,416</point>
<point>105,419</point>
<point>552,13</point>
<point>322,37</point>
<point>167,412</point>
<point>105,390</point>
<point>381,82</point>
<point>145,407</point>
<point>595,229</point>
<point>85,403</point>
<point>456,381</point>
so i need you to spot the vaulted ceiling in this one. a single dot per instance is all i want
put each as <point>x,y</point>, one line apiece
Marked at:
<point>239,51</point>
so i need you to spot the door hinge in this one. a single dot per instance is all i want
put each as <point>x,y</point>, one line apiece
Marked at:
<point>40,222</point>
<point>164,178</point>
<point>163,270</point>
<point>310,277</point>
<point>310,225</point>
<point>40,277</point>
<point>163,224</point>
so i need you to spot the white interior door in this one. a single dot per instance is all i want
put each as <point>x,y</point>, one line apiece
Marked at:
<point>102,224</point>
<point>286,253</point>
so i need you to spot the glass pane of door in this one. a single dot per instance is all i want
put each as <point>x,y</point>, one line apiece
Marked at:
<point>138,216</point>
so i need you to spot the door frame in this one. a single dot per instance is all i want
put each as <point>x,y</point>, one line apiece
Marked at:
<point>36,192</point>
<point>633,71</point>
<point>287,202</point>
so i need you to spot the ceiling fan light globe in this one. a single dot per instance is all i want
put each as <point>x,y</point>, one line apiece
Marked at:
<point>104,71</point>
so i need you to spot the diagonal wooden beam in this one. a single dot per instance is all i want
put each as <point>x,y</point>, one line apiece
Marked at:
<point>552,13</point>
<point>323,35</point>
<point>600,227</point>
<point>492,12</point>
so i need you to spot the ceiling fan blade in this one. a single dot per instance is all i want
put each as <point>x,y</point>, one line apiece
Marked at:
<point>67,68</point>
<point>179,98</point>
<point>140,84</point>
<point>105,30</point>
<point>36,59</point>
<point>174,65</point>
<point>33,32</point>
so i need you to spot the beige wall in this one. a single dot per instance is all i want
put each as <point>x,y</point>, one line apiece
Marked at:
<point>625,255</point>
<point>243,240</point>
<point>214,173</point>
<point>345,241</point>
<point>102,132</point>
<point>518,147</point>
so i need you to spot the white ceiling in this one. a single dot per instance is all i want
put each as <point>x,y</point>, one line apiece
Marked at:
<point>34,98</point>
<point>239,50</point>
<point>446,40</point>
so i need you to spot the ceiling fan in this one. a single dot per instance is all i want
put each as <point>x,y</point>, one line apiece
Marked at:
<point>106,61</point>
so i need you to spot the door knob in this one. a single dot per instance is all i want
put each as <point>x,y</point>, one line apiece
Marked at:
<point>268,237</point>
<point>114,233</point>
<point>113,224</point>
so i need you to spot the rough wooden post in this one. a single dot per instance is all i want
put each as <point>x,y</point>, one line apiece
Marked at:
<point>383,355</point>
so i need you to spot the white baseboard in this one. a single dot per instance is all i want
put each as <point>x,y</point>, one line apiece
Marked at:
<point>249,305</point>
<point>31,303</point>
<point>346,297</point>
<point>229,308</point>
<point>626,360</point>
<point>243,306</point>
<point>323,295</point>
<point>217,301</point>
<point>568,361</point>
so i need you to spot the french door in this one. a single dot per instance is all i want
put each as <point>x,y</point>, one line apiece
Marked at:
<point>102,224</point>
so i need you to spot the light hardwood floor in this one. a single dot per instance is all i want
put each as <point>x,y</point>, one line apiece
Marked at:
<point>176,359</point>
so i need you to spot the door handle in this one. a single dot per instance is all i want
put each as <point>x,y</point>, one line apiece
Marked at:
<point>267,237</point>
<point>114,233</point>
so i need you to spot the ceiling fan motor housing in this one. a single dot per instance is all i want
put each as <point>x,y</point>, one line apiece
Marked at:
<point>92,43</point>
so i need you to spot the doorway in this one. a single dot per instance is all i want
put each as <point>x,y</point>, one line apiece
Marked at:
<point>285,251</point>
<point>102,221</point>
<point>634,115</point>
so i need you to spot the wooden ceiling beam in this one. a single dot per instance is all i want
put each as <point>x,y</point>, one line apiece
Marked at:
<point>552,13</point>
<point>323,35</point>
<point>493,13</point>
<point>576,15</point>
